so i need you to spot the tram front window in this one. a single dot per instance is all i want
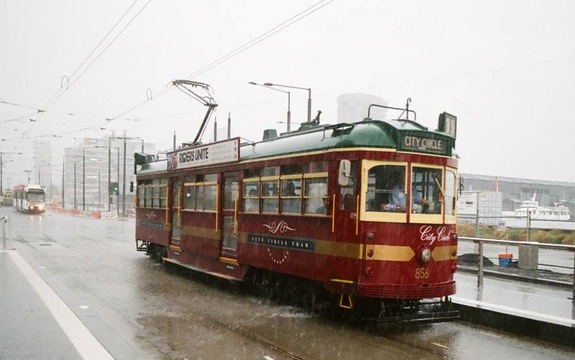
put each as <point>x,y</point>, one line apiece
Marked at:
<point>35,197</point>
<point>386,189</point>
<point>426,185</point>
<point>389,191</point>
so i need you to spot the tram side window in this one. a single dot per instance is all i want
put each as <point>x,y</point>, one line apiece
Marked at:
<point>386,189</point>
<point>291,196</point>
<point>190,196</point>
<point>270,189</point>
<point>427,190</point>
<point>251,195</point>
<point>148,194</point>
<point>200,192</point>
<point>210,192</point>
<point>348,192</point>
<point>163,193</point>
<point>450,191</point>
<point>251,190</point>
<point>156,193</point>
<point>316,197</point>
<point>291,180</point>
<point>231,189</point>
<point>142,194</point>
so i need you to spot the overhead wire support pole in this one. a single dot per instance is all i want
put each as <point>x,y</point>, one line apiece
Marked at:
<point>208,100</point>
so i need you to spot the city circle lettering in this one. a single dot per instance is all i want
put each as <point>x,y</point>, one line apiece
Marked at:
<point>193,155</point>
<point>415,142</point>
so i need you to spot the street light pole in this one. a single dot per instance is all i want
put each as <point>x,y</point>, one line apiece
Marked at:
<point>28,172</point>
<point>124,175</point>
<point>299,88</point>
<point>289,101</point>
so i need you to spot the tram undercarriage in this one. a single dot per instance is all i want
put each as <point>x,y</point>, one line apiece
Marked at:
<point>313,297</point>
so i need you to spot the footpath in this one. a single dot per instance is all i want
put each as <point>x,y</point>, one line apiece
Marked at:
<point>534,303</point>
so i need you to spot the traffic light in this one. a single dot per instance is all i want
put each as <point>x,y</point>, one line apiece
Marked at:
<point>114,188</point>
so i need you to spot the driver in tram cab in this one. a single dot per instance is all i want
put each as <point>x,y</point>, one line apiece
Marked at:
<point>397,197</point>
<point>396,201</point>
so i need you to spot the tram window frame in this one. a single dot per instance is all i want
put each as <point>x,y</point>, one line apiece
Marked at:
<point>163,193</point>
<point>251,202</point>
<point>450,200</point>
<point>315,167</point>
<point>348,192</point>
<point>431,191</point>
<point>370,207</point>
<point>386,190</point>
<point>202,189</point>
<point>210,186</point>
<point>271,171</point>
<point>316,174</point>
<point>143,184</point>
<point>190,193</point>
<point>270,189</point>
<point>291,201</point>
<point>155,193</point>
<point>315,190</point>
<point>230,199</point>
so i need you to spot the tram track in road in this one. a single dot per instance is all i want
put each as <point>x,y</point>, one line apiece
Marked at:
<point>260,339</point>
<point>422,340</point>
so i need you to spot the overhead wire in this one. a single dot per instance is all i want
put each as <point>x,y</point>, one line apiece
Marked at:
<point>73,80</point>
<point>284,24</point>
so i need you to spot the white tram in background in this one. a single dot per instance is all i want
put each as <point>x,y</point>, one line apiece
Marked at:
<point>30,199</point>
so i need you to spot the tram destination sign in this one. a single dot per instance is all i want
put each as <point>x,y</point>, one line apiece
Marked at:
<point>416,142</point>
<point>221,152</point>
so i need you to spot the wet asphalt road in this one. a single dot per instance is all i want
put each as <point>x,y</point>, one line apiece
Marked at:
<point>139,309</point>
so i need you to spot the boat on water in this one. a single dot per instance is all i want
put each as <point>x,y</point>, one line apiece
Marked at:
<point>532,209</point>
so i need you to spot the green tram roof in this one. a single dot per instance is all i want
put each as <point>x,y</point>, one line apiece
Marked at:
<point>366,133</point>
<point>369,133</point>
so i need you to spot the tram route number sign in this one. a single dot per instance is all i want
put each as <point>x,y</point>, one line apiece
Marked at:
<point>204,155</point>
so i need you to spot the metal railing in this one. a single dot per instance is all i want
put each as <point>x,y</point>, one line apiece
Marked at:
<point>525,247</point>
<point>526,223</point>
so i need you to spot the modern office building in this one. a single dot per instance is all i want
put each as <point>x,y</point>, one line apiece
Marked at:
<point>97,174</point>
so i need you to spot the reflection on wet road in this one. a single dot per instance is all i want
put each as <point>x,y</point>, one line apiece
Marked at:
<point>139,309</point>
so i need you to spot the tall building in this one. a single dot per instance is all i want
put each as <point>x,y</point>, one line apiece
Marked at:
<point>97,174</point>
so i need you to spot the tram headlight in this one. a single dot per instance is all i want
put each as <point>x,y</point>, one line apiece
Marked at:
<point>425,255</point>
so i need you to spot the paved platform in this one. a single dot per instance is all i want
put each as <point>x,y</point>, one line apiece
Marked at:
<point>36,323</point>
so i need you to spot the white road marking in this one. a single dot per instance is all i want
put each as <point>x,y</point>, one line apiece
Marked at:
<point>85,343</point>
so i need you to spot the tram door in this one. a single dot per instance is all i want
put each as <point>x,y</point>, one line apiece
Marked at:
<point>229,212</point>
<point>175,210</point>
<point>345,222</point>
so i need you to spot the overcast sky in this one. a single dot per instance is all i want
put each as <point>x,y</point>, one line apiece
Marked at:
<point>505,68</point>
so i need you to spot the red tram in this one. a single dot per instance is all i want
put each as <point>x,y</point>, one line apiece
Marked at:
<point>358,216</point>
